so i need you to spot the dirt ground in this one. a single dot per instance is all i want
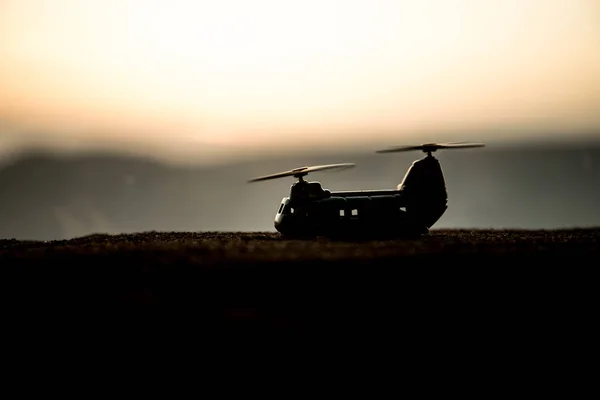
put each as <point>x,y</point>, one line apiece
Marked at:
<point>458,291</point>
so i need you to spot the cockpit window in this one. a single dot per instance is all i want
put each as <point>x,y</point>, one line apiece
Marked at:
<point>280,208</point>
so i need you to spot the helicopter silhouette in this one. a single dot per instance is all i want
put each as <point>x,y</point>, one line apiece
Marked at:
<point>410,210</point>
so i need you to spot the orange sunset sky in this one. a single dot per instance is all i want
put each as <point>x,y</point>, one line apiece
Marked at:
<point>211,79</point>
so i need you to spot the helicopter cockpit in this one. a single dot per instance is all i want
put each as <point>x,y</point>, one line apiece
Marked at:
<point>303,190</point>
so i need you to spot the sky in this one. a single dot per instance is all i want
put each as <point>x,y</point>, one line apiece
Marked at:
<point>214,80</point>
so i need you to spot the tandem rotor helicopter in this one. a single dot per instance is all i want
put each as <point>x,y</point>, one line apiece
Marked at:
<point>410,210</point>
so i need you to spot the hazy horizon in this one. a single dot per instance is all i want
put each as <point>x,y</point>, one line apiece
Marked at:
<point>212,82</point>
<point>47,197</point>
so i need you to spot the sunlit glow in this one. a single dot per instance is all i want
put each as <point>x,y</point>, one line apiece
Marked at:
<point>246,73</point>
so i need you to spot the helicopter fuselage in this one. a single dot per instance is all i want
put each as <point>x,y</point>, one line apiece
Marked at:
<point>410,209</point>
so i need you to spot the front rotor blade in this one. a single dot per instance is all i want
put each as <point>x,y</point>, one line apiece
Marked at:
<point>275,176</point>
<point>461,145</point>
<point>302,171</point>
<point>330,166</point>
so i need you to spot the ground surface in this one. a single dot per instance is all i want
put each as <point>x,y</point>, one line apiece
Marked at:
<point>459,289</point>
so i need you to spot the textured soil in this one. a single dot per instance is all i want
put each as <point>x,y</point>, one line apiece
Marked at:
<point>452,289</point>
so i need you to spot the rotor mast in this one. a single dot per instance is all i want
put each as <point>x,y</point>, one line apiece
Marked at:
<point>299,173</point>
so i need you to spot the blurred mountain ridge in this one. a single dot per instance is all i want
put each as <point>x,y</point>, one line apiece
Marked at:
<point>535,185</point>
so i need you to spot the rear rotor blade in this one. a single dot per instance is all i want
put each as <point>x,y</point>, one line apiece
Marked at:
<point>400,148</point>
<point>431,147</point>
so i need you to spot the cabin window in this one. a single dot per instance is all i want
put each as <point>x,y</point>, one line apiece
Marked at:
<point>403,209</point>
<point>355,212</point>
<point>280,208</point>
<point>342,213</point>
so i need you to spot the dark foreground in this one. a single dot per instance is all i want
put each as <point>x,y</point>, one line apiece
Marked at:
<point>471,292</point>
